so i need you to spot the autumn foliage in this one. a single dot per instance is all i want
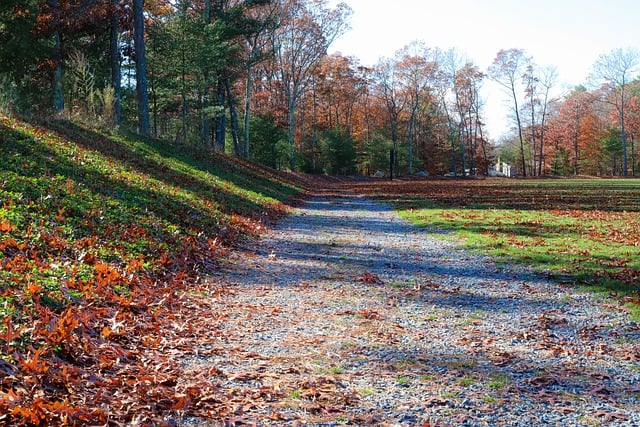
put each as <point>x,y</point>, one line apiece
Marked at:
<point>104,243</point>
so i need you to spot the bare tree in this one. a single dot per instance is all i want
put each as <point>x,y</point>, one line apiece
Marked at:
<point>548,77</point>
<point>506,70</point>
<point>451,63</point>
<point>538,84</point>
<point>388,89</point>
<point>256,45</point>
<point>307,30</point>
<point>615,71</point>
<point>417,71</point>
<point>466,85</point>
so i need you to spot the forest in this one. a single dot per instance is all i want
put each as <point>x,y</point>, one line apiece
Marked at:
<point>253,78</point>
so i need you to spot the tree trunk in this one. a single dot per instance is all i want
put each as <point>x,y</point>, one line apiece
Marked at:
<point>58,93</point>
<point>154,106</point>
<point>623,134</point>
<point>412,131</point>
<point>633,157</point>
<point>247,113</point>
<point>576,134</point>
<point>543,123</point>
<point>185,105</point>
<point>221,118</point>
<point>57,80</point>
<point>463,148</point>
<point>292,146</point>
<point>485,156</point>
<point>144,123</point>
<point>519,122</point>
<point>238,144</point>
<point>116,71</point>
<point>206,120</point>
<point>533,136</point>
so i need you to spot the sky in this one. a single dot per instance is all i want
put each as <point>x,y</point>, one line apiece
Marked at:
<point>569,35</point>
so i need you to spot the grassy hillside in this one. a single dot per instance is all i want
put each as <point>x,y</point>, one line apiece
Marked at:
<point>100,239</point>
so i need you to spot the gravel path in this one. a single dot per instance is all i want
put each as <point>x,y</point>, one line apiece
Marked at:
<point>344,314</point>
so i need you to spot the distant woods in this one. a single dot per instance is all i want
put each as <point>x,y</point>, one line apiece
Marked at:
<point>253,78</point>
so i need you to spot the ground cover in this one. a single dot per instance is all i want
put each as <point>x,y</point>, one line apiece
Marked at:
<point>102,237</point>
<point>583,232</point>
<point>345,314</point>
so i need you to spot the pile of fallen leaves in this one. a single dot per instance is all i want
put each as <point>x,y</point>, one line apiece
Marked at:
<point>608,195</point>
<point>103,246</point>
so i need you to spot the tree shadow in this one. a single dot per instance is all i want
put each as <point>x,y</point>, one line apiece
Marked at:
<point>227,172</point>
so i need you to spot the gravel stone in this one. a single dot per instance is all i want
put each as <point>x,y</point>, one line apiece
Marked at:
<point>403,327</point>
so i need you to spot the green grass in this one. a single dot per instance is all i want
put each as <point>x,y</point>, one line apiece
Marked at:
<point>365,392</point>
<point>584,233</point>
<point>467,381</point>
<point>498,381</point>
<point>403,381</point>
<point>295,394</point>
<point>104,239</point>
<point>86,216</point>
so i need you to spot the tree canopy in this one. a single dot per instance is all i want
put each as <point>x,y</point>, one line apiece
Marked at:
<point>204,73</point>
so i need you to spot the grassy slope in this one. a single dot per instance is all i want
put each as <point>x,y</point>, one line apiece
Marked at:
<point>97,233</point>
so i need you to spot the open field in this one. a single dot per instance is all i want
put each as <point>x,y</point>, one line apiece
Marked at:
<point>583,232</point>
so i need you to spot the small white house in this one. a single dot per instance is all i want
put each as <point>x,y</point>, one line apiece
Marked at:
<point>500,169</point>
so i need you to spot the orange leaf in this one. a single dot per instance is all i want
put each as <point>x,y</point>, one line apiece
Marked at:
<point>10,333</point>
<point>6,226</point>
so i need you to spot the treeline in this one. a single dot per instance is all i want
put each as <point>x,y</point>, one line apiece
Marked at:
<point>587,131</point>
<point>253,78</point>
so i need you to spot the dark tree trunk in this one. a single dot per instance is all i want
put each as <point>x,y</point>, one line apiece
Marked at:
<point>144,123</point>
<point>116,72</point>
<point>238,144</point>
<point>221,119</point>
<point>57,82</point>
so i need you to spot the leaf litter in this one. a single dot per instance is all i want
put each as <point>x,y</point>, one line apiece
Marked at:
<point>344,314</point>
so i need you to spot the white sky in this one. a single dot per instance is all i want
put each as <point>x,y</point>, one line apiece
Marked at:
<point>567,34</point>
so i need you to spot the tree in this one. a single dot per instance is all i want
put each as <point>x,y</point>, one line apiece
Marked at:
<point>416,71</point>
<point>307,30</point>
<point>338,89</point>
<point>388,90</point>
<point>338,153</point>
<point>144,123</point>
<point>633,118</point>
<point>236,22</point>
<point>269,142</point>
<point>25,52</point>
<point>506,70</point>
<point>445,83</point>
<point>538,84</point>
<point>616,70</point>
<point>547,80</point>
<point>574,127</point>
<point>466,91</point>
<point>115,59</point>
<point>257,51</point>
<point>57,83</point>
